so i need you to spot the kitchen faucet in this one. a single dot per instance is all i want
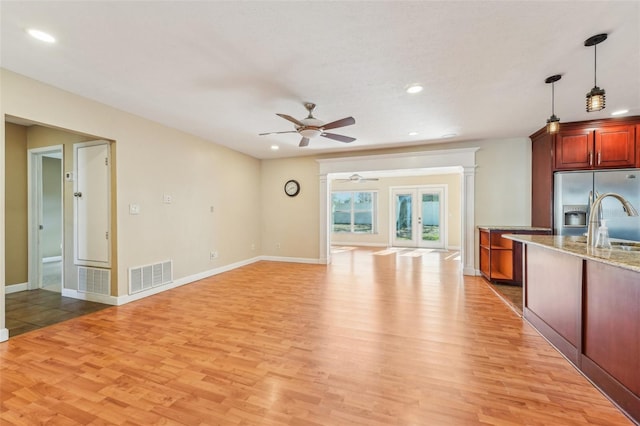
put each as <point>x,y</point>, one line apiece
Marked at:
<point>594,220</point>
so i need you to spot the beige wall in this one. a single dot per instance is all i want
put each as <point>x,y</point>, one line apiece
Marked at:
<point>153,160</point>
<point>502,188</point>
<point>383,186</point>
<point>15,221</point>
<point>290,223</point>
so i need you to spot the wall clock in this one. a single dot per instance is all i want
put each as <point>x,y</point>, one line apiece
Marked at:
<point>292,188</point>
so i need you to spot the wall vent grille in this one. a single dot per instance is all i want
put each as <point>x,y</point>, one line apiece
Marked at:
<point>94,280</point>
<point>148,276</point>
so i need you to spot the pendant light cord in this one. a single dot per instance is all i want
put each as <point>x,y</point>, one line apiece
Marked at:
<point>553,98</point>
<point>595,63</point>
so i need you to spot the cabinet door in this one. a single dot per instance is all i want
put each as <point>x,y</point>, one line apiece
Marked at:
<point>574,149</point>
<point>615,147</point>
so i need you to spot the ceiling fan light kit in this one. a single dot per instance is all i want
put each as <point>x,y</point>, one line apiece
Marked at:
<point>596,96</point>
<point>310,127</point>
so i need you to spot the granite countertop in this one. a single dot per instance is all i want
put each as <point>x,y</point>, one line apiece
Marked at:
<point>512,228</point>
<point>577,246</point>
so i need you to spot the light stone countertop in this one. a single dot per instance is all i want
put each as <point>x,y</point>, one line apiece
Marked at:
<point>512,228</point>
<point>577,246</point>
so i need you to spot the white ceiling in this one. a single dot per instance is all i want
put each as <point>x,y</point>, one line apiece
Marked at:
<point>221,70</point>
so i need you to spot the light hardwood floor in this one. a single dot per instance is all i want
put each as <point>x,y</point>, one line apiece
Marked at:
<point>371,340</point>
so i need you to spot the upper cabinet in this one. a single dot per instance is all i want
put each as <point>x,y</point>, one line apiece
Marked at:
<point>589,148</point>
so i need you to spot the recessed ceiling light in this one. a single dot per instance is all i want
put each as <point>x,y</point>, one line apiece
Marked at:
<point>413,133</point>
<point>620,112</point>
<point>41,35</point>
<point>414,88</point>
<point>449,135</point>
<point>274,147</point>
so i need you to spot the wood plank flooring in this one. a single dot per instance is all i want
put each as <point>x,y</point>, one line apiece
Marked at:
<point>369,340</point>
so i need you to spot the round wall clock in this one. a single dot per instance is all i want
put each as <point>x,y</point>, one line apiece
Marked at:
<point>292,188</point>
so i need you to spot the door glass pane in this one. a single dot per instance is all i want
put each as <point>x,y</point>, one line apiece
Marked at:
<point>341,211</point>
<point>430,217</point>
<point>404,219</point>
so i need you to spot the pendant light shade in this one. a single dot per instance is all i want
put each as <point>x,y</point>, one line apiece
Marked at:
<point>553,123</point>
<point>596,96</point>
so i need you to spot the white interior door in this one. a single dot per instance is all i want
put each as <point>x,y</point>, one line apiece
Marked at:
<point>45,218</point>
<point>418,217</point>
<point>92,204</point>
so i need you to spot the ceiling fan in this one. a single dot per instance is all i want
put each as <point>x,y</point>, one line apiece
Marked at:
<point>356,178</point>
<point>311,127</point>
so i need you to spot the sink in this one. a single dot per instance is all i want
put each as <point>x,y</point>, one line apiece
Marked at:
<point>625,245</point>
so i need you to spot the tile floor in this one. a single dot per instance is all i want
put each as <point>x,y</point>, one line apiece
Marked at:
<point>33,309</point>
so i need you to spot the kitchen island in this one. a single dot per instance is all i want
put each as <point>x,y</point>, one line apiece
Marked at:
<point>586,302</point>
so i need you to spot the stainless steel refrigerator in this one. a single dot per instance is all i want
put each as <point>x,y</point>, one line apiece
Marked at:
<point>575,191</point>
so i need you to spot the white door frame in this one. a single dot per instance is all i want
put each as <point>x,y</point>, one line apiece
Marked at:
<point>462,160</point>
<point>34,212</point>
<point>416,191</point>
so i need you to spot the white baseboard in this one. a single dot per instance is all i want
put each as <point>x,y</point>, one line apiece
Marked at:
<point>14,288</point>
<point>4,334</point>
<point>470,271</point>
<point>291,259</point>
<point>91,297</point>
<point>338,244</point>
<point>121,300</point>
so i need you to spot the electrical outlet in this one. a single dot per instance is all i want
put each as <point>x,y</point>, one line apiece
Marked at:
<point>277,246</point>
<point>213,255</point>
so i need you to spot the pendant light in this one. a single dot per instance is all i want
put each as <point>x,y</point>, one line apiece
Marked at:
<point>596,97</point>
<point>553,123</point>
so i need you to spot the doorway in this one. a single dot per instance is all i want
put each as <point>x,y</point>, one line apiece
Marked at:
<point>418,217</point>
<point>46,223</point>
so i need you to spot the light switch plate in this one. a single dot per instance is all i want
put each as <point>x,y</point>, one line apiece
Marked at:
<point>167,198</point>
<point>134,208</point>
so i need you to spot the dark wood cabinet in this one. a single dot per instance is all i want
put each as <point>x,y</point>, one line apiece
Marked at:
<point>603,148</point>
<point>542,180</point>
<point>574,149</point>
<point>590,311</point>
<point>501,258</point>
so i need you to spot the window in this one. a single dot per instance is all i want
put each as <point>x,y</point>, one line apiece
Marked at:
<point>354,212</point>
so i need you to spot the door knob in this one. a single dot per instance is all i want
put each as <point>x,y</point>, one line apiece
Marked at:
<point>77,194</point>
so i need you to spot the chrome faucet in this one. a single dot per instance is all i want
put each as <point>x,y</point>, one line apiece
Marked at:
<point>594,219</point>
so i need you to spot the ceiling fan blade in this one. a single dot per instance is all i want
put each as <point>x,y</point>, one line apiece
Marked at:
<point>340,123</point>
<point>291,119</point>
<point>340,138</point>
<point>304,142</point>
<point>276,133</point>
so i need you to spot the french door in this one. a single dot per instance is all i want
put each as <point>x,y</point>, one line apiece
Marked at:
<point>418,215</point>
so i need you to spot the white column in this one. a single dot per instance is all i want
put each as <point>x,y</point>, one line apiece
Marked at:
<point>325,248</point>
<point>468,250</point>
